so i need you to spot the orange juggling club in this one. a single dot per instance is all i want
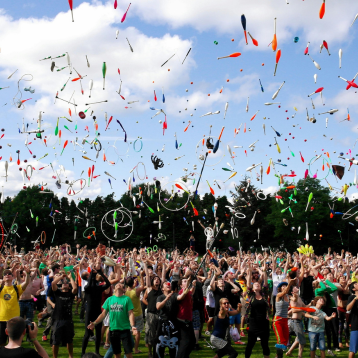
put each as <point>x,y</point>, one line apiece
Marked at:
<point>235,54</point>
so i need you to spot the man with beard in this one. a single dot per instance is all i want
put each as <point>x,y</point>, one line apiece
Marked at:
<point>63,327</point>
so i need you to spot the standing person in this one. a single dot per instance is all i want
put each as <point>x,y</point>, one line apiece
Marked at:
<point>342,301</point>
<point>9,301</point>
<point>63,327</point>
<point>352,306</point>
<point>192,242</point>
<point>297,316</point>
<point>133,292</point>
<point>121,320</point>
<point>55,269</point>
<point>168,330</point>
<point>277,277</point>
<point>220,337</point>
<point>185,319</point>
<point>280,321</point>
<point>84,273</point>
<point>257,313</point>
<point>316,326</point>
<point>26,301</point>
<point>93,298</point>
<point>36,292</point>
<point>16,330</point>
<point>152,292</point>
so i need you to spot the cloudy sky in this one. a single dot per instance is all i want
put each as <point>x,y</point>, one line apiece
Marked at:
<point>34,30</point>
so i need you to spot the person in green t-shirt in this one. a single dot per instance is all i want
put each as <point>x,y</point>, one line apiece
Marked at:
<point>121,320</point>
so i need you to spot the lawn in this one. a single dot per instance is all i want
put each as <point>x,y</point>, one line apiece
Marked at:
<point>204,353</point>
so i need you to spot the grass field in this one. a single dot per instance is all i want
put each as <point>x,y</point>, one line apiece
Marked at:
<point>204,353</point>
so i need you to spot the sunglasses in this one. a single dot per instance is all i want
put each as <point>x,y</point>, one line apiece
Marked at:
<point>226,303</point>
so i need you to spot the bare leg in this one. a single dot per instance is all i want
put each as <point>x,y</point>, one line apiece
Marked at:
<point>351,355</point>
<point>196,332</point>
<point>323,354</point>
<point>294,345</point>
<point>70,350</point>
<point>312,353</point>
<point>55,350</point>
<point>136,343</point>
<point>300,350</point>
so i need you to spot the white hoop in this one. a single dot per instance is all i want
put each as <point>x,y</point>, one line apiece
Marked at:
<point>261,192</point>
<point>240,217</point>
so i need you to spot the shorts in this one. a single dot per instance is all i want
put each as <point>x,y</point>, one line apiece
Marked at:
<point>211,311</point>
<point>106,321</point>
<point>62,333</point>
<point>297,326</point>
<point>196,320</point>
<point>117,337</point>
<point>3,335</point>
<point>317,339</point>
<point>27,309</point>
<point>139,323</point>
<point>243,306</point>
<point>235,319</point>
<point>151,328</point>
<point>353,344</point>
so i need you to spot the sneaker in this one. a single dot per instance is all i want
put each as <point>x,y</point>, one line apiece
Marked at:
<point>317,355</point>
<point>330,353</point>
<point>258,339</point>
<point>338,350</point>
<point>39,324</point>
<point>207,333</point>
<point>240,342</point>
<point>92,339</point>
<point>242,334</point>
<point>44,338</point>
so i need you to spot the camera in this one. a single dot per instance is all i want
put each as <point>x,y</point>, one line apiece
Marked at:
<point>29,323</point>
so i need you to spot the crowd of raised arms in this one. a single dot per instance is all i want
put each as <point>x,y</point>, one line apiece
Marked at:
<point>177,301</point>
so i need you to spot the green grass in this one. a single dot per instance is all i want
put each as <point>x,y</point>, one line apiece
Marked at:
<point>204,353</point>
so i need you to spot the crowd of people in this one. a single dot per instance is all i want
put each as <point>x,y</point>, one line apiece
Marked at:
<point>177,301</point>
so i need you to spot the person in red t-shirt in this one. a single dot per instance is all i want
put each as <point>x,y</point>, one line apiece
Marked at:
<point>101,249</point>
<point>185,317</point>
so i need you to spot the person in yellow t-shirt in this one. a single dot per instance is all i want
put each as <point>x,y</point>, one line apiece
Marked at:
<point>9,301</point>
<point>133,292</point>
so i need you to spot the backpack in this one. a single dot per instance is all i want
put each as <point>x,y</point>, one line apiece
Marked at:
<point>15,288</point>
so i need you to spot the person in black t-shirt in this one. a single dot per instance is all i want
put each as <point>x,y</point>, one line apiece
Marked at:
<point>63,327</point>
<point>352,306</point>
<point>167,328</point>
<point>16,330</point>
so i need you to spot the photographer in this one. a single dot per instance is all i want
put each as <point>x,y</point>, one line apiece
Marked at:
<point>16,330</point>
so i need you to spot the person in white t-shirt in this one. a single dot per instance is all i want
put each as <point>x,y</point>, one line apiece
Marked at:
<point>277,277</point>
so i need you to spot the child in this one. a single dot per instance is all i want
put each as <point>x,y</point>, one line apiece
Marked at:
<point>316,326</point>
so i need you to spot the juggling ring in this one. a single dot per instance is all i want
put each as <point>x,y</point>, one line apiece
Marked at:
<point>236,233</point>
<point>343,216</point>
<point>116,148</point>
<point>86,236</point>
<point>209,232</point>
<point>261,192</point>
<point>141,145</point>
<point>43,240</point>
<point>329,169</point>
<point>183,186</point>
<point>145,172</point>
<point>198,146</point>
<point>32,170</point>
<point>161,237</point>
<point>149,248</point>
<point>95,143</point>
<point>123,211</point>
<point>14,228</point>
<point>240,217</point>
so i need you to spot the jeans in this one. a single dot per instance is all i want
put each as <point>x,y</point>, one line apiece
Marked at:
<point>317,339</point>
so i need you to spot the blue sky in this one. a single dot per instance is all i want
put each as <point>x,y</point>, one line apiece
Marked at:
<point>157,30</point>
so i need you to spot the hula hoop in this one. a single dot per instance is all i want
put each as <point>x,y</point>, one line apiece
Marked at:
<point>42,235</point>
<point>115,150</point>
<point>70,186</point>
<point>236,233</point>
<point>148,252</point>
<point>209,232</point>
<point>346,213</point>
<point>32,170</point>
<point>125,212</point>
<point>95,143</point>
<point>141,145</point>
<point>260,192</point>
<point>89,236</point>
<point>155,248</point>
<point>173,189</point>
<point>161,237</point>
<point>324,160</point>
<point>240,217</point>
